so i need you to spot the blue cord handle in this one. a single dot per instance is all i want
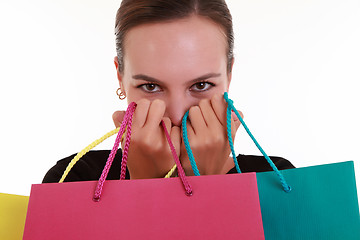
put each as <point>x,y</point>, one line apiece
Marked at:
<point>231,143</point>
<point>230,108</point>
<point>286,186</point>
<point>187,146</point>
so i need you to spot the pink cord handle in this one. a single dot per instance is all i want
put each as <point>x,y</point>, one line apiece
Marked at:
<point>130,111</point>
<point>126,146</point>
<point>181,172</point>
<point>127,121</point>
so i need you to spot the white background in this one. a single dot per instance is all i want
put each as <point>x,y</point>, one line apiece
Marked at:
<point>295,78</point>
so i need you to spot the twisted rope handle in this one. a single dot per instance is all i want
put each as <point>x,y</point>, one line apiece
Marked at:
<point>231,143</point>
<point>86,150</point>
<point>230,108</point>
<point>130,111</point>
<point>286,186</point>
<point>128,122</point>
<point>188,148</point>
<point>170,173</point>
<point>181,172</point>
<point>127,143</point>
<point>94,144</point>
<point>187,145</point>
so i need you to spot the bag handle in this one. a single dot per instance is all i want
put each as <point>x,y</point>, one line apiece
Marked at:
<point>128,122</point>
<point>188,148</point>
<point>85,151</point>
<point>230,108</point>
<point>94,144</point>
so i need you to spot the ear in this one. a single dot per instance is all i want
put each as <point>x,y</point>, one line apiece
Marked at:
<point>229,74</point>
<point>119,76</point>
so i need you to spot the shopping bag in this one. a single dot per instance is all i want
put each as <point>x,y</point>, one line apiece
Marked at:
<point>12,216</point>
<point>322,203</point>
<point>205,207</point>
<point>318,202</point>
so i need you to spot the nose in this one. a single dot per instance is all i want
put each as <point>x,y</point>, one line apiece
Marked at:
<point>176,107</point>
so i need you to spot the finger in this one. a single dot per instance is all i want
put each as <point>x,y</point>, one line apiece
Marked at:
<point>219,105</point>
<point>197,120</point>
<point>235,123</point>
<point>235,118</point>
<point>184,158</point>
<point>208,113</point>
<point>175,136</point>
<point>118,117</point>
<point>155,114</point>
<point>190,132</point>
<point>167,122</point>
<point>141,112</point>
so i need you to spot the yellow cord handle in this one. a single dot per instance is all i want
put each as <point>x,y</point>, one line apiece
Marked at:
<point>86,150</point>
<point>94,144</point>
<point>170,173</point>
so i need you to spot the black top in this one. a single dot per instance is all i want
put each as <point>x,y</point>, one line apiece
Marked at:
<point>90,166</point>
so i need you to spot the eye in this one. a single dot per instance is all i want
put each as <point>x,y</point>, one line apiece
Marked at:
<point>150,87</point>
<point>201,86</point>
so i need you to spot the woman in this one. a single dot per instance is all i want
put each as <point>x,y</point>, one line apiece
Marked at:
<point>172,56</point>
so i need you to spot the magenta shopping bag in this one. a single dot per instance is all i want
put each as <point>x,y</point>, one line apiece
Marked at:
<point>198,207</point>
<point>221,207</point>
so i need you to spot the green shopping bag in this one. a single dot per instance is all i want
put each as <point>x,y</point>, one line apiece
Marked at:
<point>322,203</point>
<point>318,202</point>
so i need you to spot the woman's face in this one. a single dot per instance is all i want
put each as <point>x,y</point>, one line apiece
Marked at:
<point>179,62</point>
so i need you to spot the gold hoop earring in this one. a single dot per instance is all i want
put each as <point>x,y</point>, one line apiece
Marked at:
<point>121,94</point>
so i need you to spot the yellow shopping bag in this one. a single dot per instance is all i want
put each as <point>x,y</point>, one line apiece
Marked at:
<point>13,210</point>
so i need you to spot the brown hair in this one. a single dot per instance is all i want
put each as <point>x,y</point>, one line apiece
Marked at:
<point>136,12</point>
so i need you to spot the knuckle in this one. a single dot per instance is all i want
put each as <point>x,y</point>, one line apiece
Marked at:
<point>142,142</point>
<point>218,139</point>
<point>200,144</point>
<point>117,118</point>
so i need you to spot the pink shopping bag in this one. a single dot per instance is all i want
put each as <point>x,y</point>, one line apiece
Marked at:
<point>221,207</point>
<point>198,207</point>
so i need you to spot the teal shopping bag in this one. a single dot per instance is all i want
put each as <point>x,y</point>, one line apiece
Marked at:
<point>322,203</point>
<point>318,202</point>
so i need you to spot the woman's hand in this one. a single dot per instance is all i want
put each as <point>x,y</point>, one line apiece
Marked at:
<point>149,152</point>
<point>208,139</point>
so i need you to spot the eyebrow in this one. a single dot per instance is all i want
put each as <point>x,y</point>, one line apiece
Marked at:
<point>198,79</point>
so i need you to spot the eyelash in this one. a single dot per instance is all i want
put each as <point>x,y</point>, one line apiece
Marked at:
<point>205,82</point>
<point>142,86</point>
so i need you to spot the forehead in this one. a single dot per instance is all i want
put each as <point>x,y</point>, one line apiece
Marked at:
<point>180,46</point>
